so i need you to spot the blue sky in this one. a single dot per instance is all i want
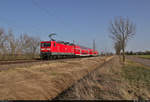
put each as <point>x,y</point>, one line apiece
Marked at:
<point>79,20</point>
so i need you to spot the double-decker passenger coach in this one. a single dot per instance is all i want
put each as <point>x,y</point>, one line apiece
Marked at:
<point>61,49</point>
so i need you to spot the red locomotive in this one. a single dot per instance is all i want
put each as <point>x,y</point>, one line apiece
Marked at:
<point>57,49</point>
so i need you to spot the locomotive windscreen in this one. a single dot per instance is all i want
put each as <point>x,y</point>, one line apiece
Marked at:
<point>45,44</point>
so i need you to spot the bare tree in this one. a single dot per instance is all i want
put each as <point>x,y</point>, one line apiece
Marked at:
<point>117,47</point>
<point>122,29</point>
<point>35,42</point>
<point>28,45</point>
<point>12,43</point>
<point>2,38</point>
<point>25,45</point>
<point>2,42</point>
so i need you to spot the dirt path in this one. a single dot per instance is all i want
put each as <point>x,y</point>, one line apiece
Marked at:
<point>139,60</point>
<point>44,81</point>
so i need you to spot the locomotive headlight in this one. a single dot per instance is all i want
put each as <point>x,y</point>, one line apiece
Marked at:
<point>48,49</point>
<point>45,49</point>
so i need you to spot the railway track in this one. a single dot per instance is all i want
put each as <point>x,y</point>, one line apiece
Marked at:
<point>17,62</point>
<point>6,65</point>
<point>8,62</point>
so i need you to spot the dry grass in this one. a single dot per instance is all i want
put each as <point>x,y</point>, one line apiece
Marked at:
<point>101,84</point>
<point>44,81</point>
<point>10,57</point>
<point>111,82</point>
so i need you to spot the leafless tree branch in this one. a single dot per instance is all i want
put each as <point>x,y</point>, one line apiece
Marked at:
<point>121,29</point>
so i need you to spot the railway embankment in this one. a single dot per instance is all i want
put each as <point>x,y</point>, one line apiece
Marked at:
<point>45,80</point>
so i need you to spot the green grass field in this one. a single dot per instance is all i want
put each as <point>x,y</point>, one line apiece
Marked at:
<point>137,73</point>
<point>138,77</point>
<point>143,56</point>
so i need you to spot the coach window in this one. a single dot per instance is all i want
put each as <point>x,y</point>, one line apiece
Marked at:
<point>48,44</point>
<point>42,44</point>
<point>54,44</point>
<point>45,44</point>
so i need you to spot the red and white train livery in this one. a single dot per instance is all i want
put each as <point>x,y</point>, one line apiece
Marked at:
<point>51,49</point>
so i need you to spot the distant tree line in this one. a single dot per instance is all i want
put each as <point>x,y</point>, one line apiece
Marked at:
<point>138,53</point>
<point>24,46</point>
<point>106,54</point>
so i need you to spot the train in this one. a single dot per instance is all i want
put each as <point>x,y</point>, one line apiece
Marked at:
<point>61,49</point>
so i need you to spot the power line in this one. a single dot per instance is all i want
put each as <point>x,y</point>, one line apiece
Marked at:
<point>41,8</point>
<point>46,11</point>
<point>49,13</point>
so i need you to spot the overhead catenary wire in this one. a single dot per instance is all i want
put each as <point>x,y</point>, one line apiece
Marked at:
<point>41,8</point>
<point>48,12</point>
